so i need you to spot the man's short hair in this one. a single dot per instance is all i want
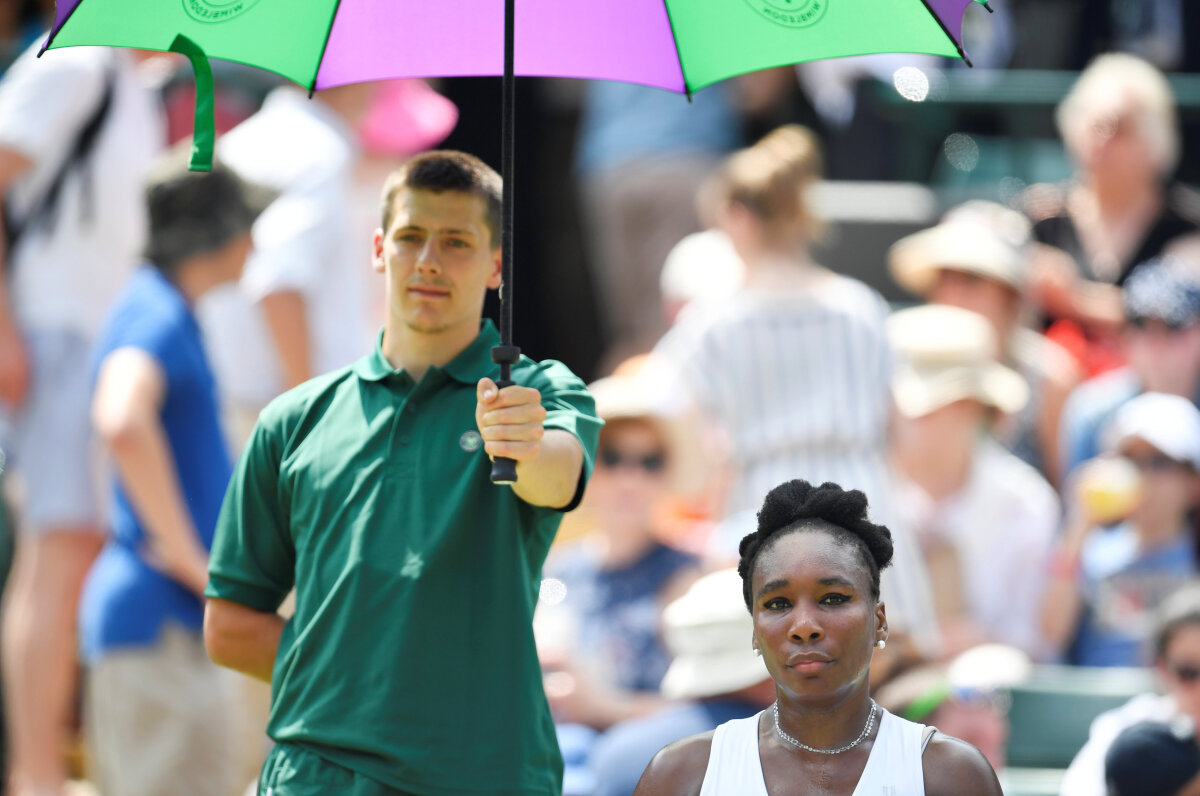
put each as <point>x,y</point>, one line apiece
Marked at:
<point>448,170</point>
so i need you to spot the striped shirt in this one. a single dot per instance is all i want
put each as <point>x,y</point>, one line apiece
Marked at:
<point>800,382</point>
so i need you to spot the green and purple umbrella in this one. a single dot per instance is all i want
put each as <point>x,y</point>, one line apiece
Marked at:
<point>678,45</point>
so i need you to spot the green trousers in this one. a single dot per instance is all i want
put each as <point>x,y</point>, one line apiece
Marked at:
<point>291,770</point>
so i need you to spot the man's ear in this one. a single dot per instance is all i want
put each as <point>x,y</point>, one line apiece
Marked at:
<point>495,278</point>
<point>377,263</point>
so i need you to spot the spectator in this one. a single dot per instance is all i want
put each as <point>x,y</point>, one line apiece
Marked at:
<point>1107,581</point>
<point>78,128</point>
<point>619,575</point>
<point>1175,646</point>
<point>1162,336</point>
<point>965,698</point>
<point>976,259</point>
<point>300,308</point>
<point>713,672</point>
<point>1119,125</point>
<point>1154,759</point>
<point>985,519</point>
<point>157,708</point>
<point>793,366</point>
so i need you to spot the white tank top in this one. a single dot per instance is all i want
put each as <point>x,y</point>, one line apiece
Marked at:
<point>893,768</point>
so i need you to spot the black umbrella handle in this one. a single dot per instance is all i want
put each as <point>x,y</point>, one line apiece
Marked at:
<point>504,469</point>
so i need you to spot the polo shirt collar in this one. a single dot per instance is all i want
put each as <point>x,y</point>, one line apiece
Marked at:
<point>472,364</point>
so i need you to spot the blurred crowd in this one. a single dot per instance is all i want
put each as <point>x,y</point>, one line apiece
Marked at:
<point>1024,420</point>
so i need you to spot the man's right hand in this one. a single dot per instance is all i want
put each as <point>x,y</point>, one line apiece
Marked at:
<point>14,367</point>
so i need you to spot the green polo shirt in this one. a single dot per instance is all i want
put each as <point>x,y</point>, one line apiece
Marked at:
<point>410,658</point>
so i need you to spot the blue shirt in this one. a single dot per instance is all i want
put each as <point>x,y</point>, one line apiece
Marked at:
<point>126,601</point>
<point>1123,587</point>
<point>618,613</point>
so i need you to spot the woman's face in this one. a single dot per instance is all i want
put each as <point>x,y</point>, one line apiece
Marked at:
<point>630,474</point>
<point>815,620</point>
<point>1110,142</point>
<point>1180,669</point>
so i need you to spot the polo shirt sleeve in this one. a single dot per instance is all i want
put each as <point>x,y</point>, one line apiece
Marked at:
<point>253,556</point>
<point>569,407</point>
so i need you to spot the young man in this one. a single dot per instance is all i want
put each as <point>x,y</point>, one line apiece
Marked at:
<point>155,408</point>
<point>409,664</point>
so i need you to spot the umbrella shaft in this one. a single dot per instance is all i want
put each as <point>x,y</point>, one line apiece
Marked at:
<point>507,169</point>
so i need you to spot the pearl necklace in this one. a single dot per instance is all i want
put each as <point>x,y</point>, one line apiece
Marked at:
<point>865,732</point>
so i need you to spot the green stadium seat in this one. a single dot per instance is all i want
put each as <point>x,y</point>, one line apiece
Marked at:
<point>1052,710</point>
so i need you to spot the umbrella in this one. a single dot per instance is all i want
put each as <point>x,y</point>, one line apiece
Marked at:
<point>679,45</point>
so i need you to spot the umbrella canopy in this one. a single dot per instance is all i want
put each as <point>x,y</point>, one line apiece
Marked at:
<point>679,45</point>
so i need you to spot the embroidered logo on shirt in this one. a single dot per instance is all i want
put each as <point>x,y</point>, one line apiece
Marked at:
<point>470,441</point>
<point>413,564</point>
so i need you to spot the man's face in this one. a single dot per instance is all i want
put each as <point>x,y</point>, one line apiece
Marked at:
<point>439,260</point>
<point>991,298</point>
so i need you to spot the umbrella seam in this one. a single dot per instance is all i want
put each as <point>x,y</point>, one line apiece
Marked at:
<point>961,53</point>
<point>54,32</point>
<point>687,89</point>
<point>312,85</point>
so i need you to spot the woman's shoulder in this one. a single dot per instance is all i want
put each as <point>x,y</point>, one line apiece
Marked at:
<point>953,767</point>
<point>678,768</point>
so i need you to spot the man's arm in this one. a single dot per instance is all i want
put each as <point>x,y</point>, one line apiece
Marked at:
<point>14,363</point>
<point>125,411</point>
<point>241,638</point>
<point>286,318</point>
<point>549,462</point>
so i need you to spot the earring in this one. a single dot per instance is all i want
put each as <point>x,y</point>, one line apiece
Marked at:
<point>758,652</point>
<point>881,644</point>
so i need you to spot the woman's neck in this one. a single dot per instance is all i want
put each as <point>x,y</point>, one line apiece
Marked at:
<point>1115,200</point>
<point>827,726</point>
<point>779,272</point>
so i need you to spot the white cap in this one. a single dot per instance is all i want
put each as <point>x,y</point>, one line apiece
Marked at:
<point>1168,422</point>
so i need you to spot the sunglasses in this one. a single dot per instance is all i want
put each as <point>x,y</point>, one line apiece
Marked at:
<point>1186,673</point>
<point>1155,463</point>
<point>1142,322</point>
<point>611,459</point>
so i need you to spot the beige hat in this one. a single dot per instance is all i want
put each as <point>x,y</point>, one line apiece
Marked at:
<point>709,632</point>
<point>628,397</point>
<point>971,238</point>
<point>945,354</point>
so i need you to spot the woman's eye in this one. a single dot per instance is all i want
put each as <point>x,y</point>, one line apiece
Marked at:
<point>835,599</point>
<point>775,604</point>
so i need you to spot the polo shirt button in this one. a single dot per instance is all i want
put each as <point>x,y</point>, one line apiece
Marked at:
<point>404,443</point>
